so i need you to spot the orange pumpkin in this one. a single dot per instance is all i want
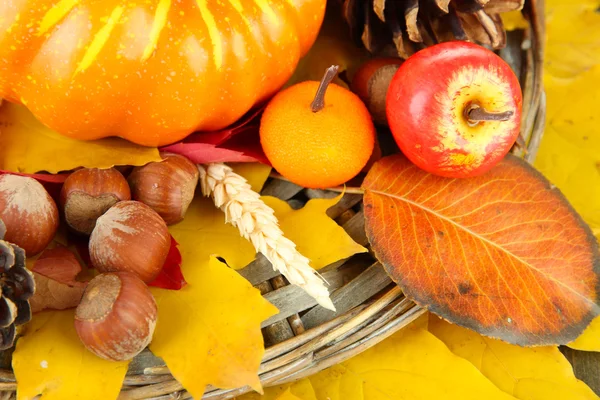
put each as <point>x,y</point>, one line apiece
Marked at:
<point>150,71</point>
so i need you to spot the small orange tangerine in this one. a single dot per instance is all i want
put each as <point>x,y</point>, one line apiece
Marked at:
<point>317,135</point>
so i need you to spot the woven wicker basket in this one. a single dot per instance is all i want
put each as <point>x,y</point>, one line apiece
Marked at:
<point>304,338</point>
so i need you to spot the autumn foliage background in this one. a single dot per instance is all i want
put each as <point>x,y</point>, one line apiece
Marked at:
<point>431,359</point>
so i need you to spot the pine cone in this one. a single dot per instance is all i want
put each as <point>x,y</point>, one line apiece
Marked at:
<point>405,26</point>
<point>17,285</point>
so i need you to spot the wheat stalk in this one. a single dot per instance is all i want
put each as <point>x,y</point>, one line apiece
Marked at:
<point>257,223</point>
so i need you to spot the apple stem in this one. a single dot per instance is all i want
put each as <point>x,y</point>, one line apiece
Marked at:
<point>476,114</point>
<point>318,102</point>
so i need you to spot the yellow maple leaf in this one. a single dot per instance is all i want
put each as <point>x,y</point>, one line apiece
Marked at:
<point>209,332</point>
<point>411,364</point>
<point>527,373</point>
<point>204,229</point>
<point>569,154</point>
<point>316,235</point>
<point>255,173</point>
<point>28,146</point>
<point>50,360</point>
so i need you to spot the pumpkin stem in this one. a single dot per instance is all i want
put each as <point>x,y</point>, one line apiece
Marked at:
<point>319,100</point>
<point>475,114</point>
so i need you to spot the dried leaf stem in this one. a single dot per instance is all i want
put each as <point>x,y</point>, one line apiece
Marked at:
<point>257,223</point>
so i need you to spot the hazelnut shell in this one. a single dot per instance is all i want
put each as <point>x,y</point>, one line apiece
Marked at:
<point>28,213</point>
<point>90,192</point>
<point>168,186</point>
<point>131,237</point>
<point>371,83</point>
<point>116,316</point>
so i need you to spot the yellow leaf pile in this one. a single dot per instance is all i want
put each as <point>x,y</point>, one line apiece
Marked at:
<point>572,48</point>
<point>28,146</point>
<point>437,360</point>
<point>534,373</point>
<point>51,361</point>
<point>570,151</point>
<point>569,154</point>
<point>411,364</point>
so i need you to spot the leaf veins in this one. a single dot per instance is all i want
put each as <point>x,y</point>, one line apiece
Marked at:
<point>503,254</point>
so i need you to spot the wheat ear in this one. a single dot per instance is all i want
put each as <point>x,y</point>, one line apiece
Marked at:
<point>257,223</point>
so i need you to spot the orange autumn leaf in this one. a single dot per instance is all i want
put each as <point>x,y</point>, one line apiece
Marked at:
<point>503,254</point>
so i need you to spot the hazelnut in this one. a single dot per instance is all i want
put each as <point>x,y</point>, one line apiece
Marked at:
<point>116,316</point>
<point>132,237</point>
<point>29,214</point>
<point>88,193</point>
<point>167,187</point>
<point>371,82</point>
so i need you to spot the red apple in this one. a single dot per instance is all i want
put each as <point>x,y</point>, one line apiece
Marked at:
<point>454,109</point>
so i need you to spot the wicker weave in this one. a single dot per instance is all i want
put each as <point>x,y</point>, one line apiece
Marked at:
<point>304,338</point>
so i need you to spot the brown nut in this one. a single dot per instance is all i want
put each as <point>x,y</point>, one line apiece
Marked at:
<point>116,316</point>
<point>167,187</point>
<point>131,237</point>
<point>28,212</point>
<point>88,193</point>
<point>371,83</point>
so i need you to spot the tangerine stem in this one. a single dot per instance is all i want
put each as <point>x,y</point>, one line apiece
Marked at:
<point>475,114</point>
<point>319,101</point>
